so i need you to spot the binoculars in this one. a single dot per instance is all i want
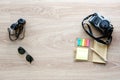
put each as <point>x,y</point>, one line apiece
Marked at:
<point>16,29</point>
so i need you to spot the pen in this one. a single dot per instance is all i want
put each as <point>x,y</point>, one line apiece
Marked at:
<point>98,53</point>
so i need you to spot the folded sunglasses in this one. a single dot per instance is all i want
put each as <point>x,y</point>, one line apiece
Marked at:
<point>22,51</point>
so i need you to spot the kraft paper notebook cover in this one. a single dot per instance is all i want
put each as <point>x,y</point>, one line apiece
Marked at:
<point>102,49</point>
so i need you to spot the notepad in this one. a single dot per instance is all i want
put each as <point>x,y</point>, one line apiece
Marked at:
<point>82,49</point>
<point>102,50</point>
<point>81,53</point>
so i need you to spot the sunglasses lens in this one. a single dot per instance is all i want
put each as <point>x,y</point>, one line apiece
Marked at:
<point>21,50</point>
<point>29,58</point>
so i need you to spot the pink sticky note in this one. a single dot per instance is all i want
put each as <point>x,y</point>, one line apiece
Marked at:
<point>88,42</point>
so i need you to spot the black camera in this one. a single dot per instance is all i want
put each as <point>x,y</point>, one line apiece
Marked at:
<point>102,25</point>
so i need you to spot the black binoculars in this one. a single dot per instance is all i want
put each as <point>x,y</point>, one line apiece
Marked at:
<point>16,29</point>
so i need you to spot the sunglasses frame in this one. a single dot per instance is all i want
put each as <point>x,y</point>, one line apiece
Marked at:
<point>22,51</point>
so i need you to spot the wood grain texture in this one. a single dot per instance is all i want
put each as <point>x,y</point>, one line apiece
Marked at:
<point>51,31</point>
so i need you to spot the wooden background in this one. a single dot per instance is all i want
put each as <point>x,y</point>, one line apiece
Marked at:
<point>51,31</point>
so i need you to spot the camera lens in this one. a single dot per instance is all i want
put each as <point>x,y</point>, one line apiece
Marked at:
<point>104,24</point>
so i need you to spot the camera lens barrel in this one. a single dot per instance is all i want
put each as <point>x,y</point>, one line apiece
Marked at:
<point>104,24</point>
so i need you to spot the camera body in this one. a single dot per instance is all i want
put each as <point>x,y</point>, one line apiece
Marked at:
<point>99,22</point>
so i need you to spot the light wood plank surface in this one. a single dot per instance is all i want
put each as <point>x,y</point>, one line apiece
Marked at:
<point>51,31</point>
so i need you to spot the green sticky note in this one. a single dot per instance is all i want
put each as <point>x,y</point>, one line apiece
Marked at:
<point>81,42</point>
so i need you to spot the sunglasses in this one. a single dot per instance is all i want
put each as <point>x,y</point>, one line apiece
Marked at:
<point>22,51</point>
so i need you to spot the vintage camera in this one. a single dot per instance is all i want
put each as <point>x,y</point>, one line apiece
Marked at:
<point>102,24</point>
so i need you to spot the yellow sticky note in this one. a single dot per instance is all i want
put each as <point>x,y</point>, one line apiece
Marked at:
<point>81,53</point>
<point>83,42</point>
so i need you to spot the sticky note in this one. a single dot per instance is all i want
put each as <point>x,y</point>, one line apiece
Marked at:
<point>87,42</point>
<point>83,42</point>
<point>78,42</point>
<point>81,53</point>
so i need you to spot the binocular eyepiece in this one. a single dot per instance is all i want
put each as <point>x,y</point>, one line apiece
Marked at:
<point>17,29</point>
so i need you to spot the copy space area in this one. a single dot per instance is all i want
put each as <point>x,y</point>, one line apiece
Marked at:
<point>51,32</point>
